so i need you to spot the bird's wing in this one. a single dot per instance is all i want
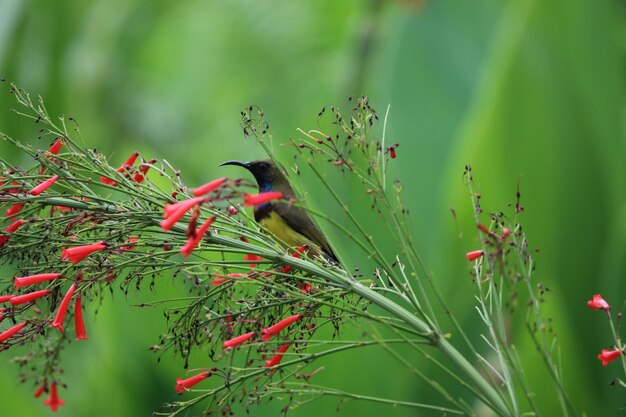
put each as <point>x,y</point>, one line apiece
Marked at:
<point>301,221</point>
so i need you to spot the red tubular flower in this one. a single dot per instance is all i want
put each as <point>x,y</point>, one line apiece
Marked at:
<point>300,251</point>
<point>261,198</point>
<point>608,356</point>
<point>13,210</point>
<point>189,247</point>
<point>220,279</point>
<point>174,212</point>
<point>43,388</point>
<point>236,341</point>
<point>44,185</point>
<point>14,226</point>
<point>79,323</point>
<point>79,253</point>
<point>34,279</point>
<point>129,162</point>
<point>598,303</point>
<point>57,323</point>
<point>56,145</point>
<point>53,401</point>
<point>232,210</point>
<point>130,247</point>
<point>5,298</point>
<point>473,255</point>
<point>195,240</point>
<point>252,259</point>
<point>185,384</point>
<point>26,298</point>
<point>275,329</point>
<point>275,360</point>
<point>143,170</point>
<point>9,333</point>
<point>187,204</point>
<point>107,181</point>
<point>10,190</point>
<point>54,150</point>
<point>140,176</point>
<point>10,229</point>
<point>168,223</point>
<point>208,187</point>
<point>2,310</point>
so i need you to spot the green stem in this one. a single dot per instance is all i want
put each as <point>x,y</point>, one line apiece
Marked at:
<point>344,394</point>
<point>618,340</point>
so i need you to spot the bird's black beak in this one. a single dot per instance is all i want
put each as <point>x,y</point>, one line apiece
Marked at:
<point>246,165</point>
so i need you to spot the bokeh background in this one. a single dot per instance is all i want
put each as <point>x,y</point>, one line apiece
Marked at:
<point>529,92</point>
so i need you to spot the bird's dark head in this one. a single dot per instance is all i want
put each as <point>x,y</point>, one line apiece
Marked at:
<point>265,172</point>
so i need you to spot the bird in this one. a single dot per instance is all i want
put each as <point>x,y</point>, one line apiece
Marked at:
<point>290,224</point>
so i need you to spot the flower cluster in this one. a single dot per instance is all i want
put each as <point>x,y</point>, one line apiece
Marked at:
<point>30,298</point>
<point>607,356</point>
<point>86,261</point>
<point>186,384</point>
<point>493,239</point>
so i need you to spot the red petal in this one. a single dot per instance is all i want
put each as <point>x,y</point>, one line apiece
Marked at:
<point>9,333</point>
<point>258,199</point>
<point>44,185</point>
<point>208,187</point>
<point>236,341</point>
<point>34,279</point>
<point>62,310</point>
<point>472,256</point>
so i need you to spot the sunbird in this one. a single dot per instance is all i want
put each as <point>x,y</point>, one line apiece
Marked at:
<point>291,224</point>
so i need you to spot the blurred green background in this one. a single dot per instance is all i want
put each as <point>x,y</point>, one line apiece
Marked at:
<point>526,91</point>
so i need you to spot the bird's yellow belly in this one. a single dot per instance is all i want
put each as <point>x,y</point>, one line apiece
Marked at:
<point>275,224</point>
